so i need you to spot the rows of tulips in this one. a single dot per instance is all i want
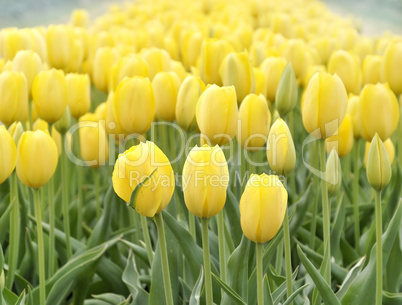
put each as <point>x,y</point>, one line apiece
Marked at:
<point>179,152</point>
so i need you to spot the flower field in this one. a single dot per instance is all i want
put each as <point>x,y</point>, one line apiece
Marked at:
<point>201,152</point>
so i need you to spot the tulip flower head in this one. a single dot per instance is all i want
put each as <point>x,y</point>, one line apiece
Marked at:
<point>391,66</point>
<point>378,165</point>
<point>79,97</point>
<point>389,148</point>
<point>8,153</point>
<point>286,93</point>
<point>342,141</point>
<point>166,86</point>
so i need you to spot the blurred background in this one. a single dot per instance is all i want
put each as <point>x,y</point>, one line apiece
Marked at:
<point>375,16</point>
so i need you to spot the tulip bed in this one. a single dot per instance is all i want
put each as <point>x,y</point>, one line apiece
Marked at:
<point>180,152</point>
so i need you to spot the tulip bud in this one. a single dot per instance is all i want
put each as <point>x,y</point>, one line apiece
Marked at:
<point>286,93</point>
<point>93,141</point>
<point>13,97</point>
<point>157,60</point>
<point>391,66</point>
<point>281,152</point>
<point>134,105</point>
<point>272,67</point>
<point>262,207</point>
<point>255,119</point>
<point>104,60</point>
<point>166,85</point>
<point>324,105</point>
<point>79,97</point>
<point>80,18</point>
<point>213,51</point>
<point>379,111</point>
<point>8,153</point>
<point>333,173</point>
<point>187,98</point>
<point>371,69</point>
<point>144,178</point>
<point>50,94</point>
<point>236,70</point>
<point>389,147</point>
<point>347,67</point>
<point>205,180</point>
<point>16,130</point>
<point>128,66</point>
<point>36,158</point>
<point>217,113</point>
<point>378,165</point>
<point>29,63</point>
<point>64,123</point>
<point>342,141</point>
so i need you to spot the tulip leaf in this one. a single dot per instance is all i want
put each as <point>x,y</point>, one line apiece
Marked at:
<point>362,290</point>
<point>325,290</point>
<point>267,291</point>
<point>195,296</point>
<point>230,292</point>
<point>393,199</point>
<point>391,298</point>
<point>353,272</point>
<point>110,298</point>
<point>131,278</point>
<point>4,219</point>
<point>139,189</point>
<point>394,268</point>
<point>294,294</point>
<point>9,296</point>
<point>232,209</point>
<point>301,206</point>
<point>1,259</point>
<point>337,231</point>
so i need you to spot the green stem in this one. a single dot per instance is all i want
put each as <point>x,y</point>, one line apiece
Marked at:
<point>356,196</point>
<point>14,231</point>
<point>164,258</point>
<point>52,221</point>
<point>288,258</point>
<point>326,217</point>
<point>313,227</point>
<point>41,248</point>
<point>148,244</point>
<point>191,222</point>
<point>279,257</point>
<point>207,262</point>
<point>260,295</point>
<point>378,223</point>
<point>79,188</point>
<point>221,237</point>
<point>96,184</point>
<point>64,191</point>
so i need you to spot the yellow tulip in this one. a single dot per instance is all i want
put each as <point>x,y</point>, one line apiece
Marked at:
<point>333,172</point>
<point>262,207</point>
<point>272,67</point>
<point>93,140</point>
<point>16,130</point>
<point>60,45</point>
<point>257,53</point>
<point>29,63</point>
<point>342,141</point>
<point>187,98</point>
<point>324,46</point>
<point>40,124</point>
<point>213,51</point>
<point>166,85</point>
<point>324,105</point>
<point>8,153</point>
<point>353,110</point>
<point>378,170</point>
<point>104,60</point>
<point>389,148</point>
<point>170,45</point>
<point>296,52</point>
<point>236,70</point>
<point>281,154</point>
<point>311,70</point>
<point>205,180</point>
<point>13,40</point>
<point>259,78</point>
<point>379,111</point>
<point>112,125</point>
<point>254,119</point>
<point>217,113</point>
<point>128,66</point>
<point>179,70</point>
<point>36,158</point>
<point>371,69</point>
<point>13,97</point>
<point>80,18</point>
<point>134,105</point>
<point>50,94</point>
<point>281,23</point>
<point>100,111</point>
<point>363,47</point>
<point>157,60</point>
<point>190,48</point>
<point>347,67</point>
<point>79,93</point>
<point>391,66</point>
<point>146,170</point>
<point>286,93</point>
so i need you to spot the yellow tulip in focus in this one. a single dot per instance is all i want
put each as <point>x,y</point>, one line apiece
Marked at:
<point>187,98</point>
<point>379,111</point>
<point>128,66</point>
<point>262,207</point>
<point>378,169</point>
<point>347,67</point>
<point>324,105</point>
<point>371,69</point>
<point>333,172</point>
<point>213,51</point>
<point>311,71</point>
<point>254,119</point>
<point>272,67</point>
<point>79,93</point>
<point>158,60</point>
<point>236,70</point>
<point>389,148</point>
<point>144,178</point>
<point>13,97</point>
<point>36,158</point>
<point>342,141</point>
<point>80,18</point>
<point>29,63</point>
<point>50,94</point>
<point>8,153</point>
<point>134,105</point>
<point>216,114</point>
<point>205,180</point>
<point>391,67</point>
<point>44,126</point>
<point>104,60</point>
<point>93,140</point>
<point>166,85</point>
<point>281,152</point>
<point>353,110</point>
